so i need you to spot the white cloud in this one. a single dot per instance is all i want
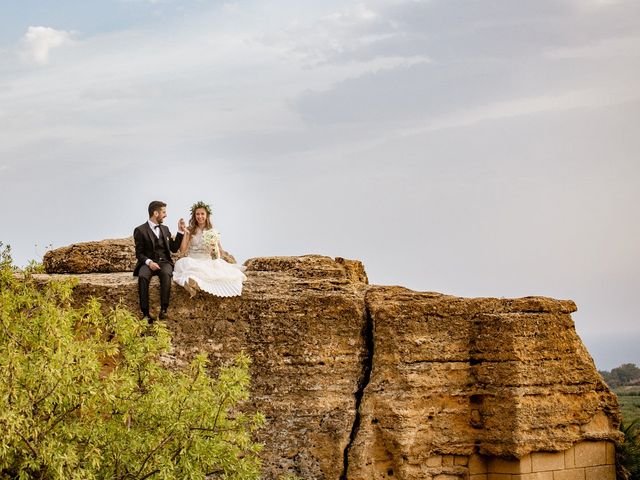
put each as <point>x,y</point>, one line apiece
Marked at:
<point>334,37</point>
<point>39,41</point>
<point>353,16</point>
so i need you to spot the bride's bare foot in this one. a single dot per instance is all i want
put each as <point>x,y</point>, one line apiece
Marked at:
<point>188,288</point>
<point>192,287</point>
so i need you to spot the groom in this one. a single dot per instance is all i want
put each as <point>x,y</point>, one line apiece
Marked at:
<point>154,245</point>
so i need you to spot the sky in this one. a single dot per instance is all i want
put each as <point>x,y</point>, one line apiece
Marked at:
<point>468,147</point>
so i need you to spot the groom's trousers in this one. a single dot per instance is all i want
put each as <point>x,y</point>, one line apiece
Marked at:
<point>144,278</point>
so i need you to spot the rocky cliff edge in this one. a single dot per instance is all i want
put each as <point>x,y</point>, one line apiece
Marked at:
<point>362,382</point>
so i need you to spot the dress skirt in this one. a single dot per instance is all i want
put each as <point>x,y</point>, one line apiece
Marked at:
<point>217,277</point>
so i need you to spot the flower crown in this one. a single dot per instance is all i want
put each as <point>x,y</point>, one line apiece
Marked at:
<point>198,205</point>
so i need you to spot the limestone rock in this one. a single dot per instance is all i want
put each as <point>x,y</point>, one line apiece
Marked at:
<point>369,382</point>
<point>301,320</point>
<point>456,376</point>
<point>104,256</point>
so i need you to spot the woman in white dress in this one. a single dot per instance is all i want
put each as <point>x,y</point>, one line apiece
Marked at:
<point>203,268</point>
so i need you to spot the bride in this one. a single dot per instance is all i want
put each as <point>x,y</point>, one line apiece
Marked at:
<point>198,270</point>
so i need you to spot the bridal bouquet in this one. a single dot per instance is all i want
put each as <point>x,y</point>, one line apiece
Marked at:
<point>210,239</point>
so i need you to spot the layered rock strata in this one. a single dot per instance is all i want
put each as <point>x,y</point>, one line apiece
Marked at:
<point>456,377</point>
<point>368,382</point>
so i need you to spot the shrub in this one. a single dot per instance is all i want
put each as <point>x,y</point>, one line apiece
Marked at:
<point>84,395</point>
<point>628,452</point>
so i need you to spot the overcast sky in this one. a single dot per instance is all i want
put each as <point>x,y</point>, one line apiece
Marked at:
<point>474,148</point>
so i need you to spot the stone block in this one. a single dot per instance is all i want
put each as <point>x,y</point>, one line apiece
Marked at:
<point>503,465</point>
<point>434,461</point>
<point>590,454</point>
<point>499,476</point>
<point>480,476</point>
<point>547,461</point>
<point>534,476</point>
<point>570,458</point>
<point>461,460</point>
<point>569,474</point>
<point>447,460</point>
<point>611,453</point>
<point>602,472</point>
<point>477,464</point>
<point>444,476</point>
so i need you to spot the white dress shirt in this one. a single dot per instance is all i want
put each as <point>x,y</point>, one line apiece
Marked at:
<point>156,231</point>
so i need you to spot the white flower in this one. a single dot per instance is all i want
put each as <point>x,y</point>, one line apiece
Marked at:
<point>210,239</point>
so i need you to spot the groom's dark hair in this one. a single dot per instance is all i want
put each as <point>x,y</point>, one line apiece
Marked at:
<point>155,206</point>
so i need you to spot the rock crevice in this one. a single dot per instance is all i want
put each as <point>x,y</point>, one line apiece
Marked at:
<point>363,382</point>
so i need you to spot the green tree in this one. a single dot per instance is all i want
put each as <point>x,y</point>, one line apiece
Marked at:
<point>84,395</point>
<point>625,374</point>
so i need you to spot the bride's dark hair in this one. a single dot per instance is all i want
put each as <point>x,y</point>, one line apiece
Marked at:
<point>193,225</point>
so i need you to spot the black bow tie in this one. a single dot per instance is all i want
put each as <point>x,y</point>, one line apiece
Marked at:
<point>156,226</point>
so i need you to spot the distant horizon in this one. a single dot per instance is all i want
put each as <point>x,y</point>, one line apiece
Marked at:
<point>612,352</point>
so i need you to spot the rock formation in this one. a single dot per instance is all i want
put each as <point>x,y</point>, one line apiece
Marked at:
<point>104,256</point>
<point>368,382</point>
<point>453,376</point>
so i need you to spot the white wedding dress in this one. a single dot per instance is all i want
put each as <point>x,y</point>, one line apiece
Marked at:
<point>197,270</point>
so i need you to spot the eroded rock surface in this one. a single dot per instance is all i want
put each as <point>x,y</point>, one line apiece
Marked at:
<point>457,376</point>
<point>301,320</point>
<point>367,382</point>
<point>104,256</point>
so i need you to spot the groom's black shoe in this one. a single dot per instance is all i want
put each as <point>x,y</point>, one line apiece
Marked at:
<point>146,316</point>
<point>163,314</point>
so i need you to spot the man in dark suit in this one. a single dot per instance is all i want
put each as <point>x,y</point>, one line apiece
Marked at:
<point>154,245</point>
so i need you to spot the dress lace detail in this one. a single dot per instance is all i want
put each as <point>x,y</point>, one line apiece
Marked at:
<point>198,248</point>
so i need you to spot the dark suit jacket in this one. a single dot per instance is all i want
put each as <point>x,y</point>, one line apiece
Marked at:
<point>143,237</point>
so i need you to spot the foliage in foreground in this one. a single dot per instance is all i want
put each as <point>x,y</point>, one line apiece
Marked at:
<point>628,452</point>
<point>84,396</point>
